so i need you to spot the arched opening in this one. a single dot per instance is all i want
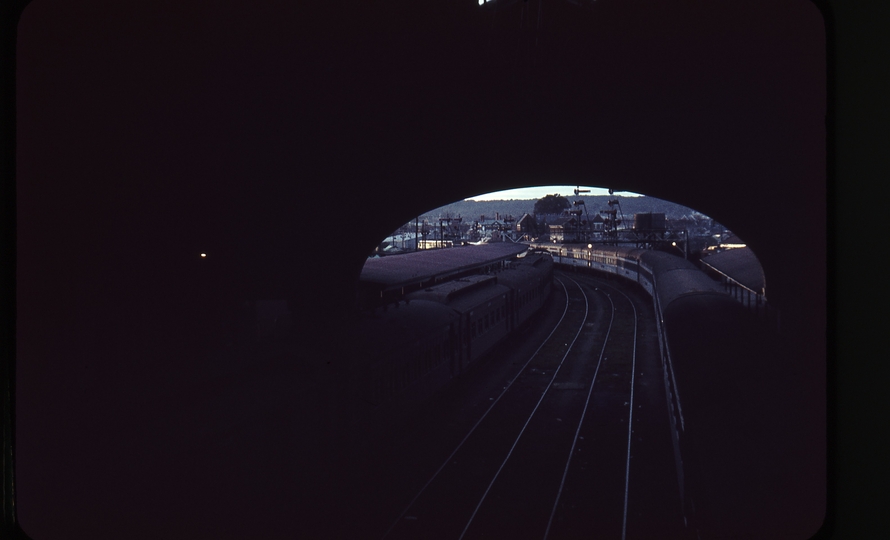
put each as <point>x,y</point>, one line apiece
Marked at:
<point>563,214</point>
<point>651,290</point>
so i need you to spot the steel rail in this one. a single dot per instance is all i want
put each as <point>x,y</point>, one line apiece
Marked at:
<point>631,418</point>
<point>481,418</point>
<point>581,421</point>
<point>532,414</point>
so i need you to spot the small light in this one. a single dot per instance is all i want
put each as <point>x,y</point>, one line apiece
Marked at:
<point>203,255</point>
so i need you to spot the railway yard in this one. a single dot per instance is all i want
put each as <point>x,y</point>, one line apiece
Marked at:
<point>562,432</point>
<point>575,425</point>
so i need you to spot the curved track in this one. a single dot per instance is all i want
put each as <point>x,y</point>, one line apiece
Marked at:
<point>576,442</point>
<point>505,420</point>
<point>626,485</point>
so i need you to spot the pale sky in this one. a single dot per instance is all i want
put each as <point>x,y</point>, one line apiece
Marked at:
<point>541,191</point>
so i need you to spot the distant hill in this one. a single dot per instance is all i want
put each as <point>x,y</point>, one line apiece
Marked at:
<point>473,210</point>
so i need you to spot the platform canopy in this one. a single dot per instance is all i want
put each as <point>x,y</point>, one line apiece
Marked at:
<point>432,266</point>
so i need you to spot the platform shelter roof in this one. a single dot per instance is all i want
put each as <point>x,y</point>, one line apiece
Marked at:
<point>435,265</point>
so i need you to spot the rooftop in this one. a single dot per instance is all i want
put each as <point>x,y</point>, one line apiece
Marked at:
<point>435,265</point>
<point>741,265</point>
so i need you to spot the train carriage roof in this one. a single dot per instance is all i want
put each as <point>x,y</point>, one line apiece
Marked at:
<point>462,294</point>
<point>678,282</point>
<point>740,264</point>
<point>660,261</point>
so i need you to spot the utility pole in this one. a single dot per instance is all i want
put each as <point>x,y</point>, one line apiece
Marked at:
<point>686,244</point>
<point>508,226</point>
<point>578,190</point>
<point>442,231</point>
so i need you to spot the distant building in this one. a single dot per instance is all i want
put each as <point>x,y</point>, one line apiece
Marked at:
<point>649,221</point>
<point>724,242</point>
<point>488,226</point>
<point>597,225</point>
<point>527,225</point>
<point>564,229</point>
<point>434,244</point>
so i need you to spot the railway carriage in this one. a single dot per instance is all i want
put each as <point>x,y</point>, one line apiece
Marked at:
<point>664,274</point>
<point>409,345</point>
<point>529,280</point>
<point>413,346</point>
<point>481,304</point>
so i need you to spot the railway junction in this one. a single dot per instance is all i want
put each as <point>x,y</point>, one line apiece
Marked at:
<point>574,426</point>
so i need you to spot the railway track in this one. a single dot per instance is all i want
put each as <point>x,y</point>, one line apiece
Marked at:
<point>577,442</point>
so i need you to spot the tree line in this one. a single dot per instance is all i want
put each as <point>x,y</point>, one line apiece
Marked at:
<point>473,210</point>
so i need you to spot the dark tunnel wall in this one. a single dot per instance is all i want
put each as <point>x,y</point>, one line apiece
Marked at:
<point>269,135</point>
